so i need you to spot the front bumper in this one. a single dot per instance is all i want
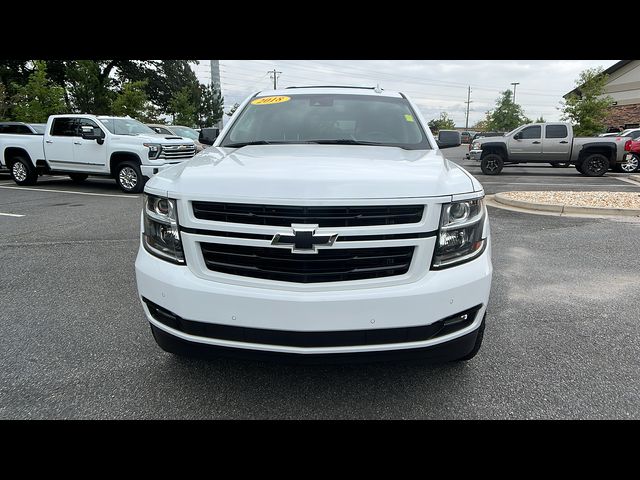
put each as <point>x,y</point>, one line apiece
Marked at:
<point>475,155</point>
<point>435,296</point>
<point>150,170</point>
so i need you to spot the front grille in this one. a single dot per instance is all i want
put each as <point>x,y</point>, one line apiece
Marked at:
<point>172,152</point>
<point>328,265</point>
<point>314,339</point>
<point>285,215</point>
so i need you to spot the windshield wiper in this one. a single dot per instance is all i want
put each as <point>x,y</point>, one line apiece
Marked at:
<point>350,141</point>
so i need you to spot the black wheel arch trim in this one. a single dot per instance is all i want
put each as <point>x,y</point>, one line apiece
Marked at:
<point>490,147</point>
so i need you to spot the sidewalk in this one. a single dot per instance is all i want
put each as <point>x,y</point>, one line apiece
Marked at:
<point>587,203</point>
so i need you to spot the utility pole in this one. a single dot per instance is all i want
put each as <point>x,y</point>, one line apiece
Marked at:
<point>274,75</point>
<point>514,90</point>
<point>466,124</point>
<point>215,83</point>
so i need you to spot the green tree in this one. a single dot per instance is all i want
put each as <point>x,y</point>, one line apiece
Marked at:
<point>183,108</point>
<point>507,115</point>
<point>210,107</point>
<point>588,109</point>
<point>540,119</point>
<point>90,87</point>
<point>481,126</point>
<point>38,98</point>
<point>4,102</point>
<point>444,122</point>
<point>131,101</point>
<point>166,79</point>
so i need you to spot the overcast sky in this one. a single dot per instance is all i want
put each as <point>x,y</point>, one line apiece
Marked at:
<point>435,85</point>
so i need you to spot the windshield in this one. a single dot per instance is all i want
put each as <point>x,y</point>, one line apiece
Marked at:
<point>38,127</point>
<point>126,126</point>
<point>328,118</point>
<point>185,132</point>
<point>626,132</point>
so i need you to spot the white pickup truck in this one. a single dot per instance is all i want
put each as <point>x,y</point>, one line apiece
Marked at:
<point>83,145</point>
<point>324,223</point>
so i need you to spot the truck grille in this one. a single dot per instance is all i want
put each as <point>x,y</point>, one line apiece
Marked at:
<point>285,215</point>
<point>176,152</point>
<point>328,265</point>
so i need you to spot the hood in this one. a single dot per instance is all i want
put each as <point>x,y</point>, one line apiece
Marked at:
<point>491,140</point>
<point>314,172</point>
<point>157,138</point>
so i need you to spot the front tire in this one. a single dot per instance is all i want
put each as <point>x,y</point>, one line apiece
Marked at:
<point>492,164</point>
<point>23,172</point>
<point>478,344</point>
<point>595,165</point>
<point>129,177</point>
<point>78,177</point>
<point>630,166</point>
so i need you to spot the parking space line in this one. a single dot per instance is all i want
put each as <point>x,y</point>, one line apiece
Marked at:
<point>628,180</point>
<point>72,192</point>
<point>563,184</point>
<point>10,215</point>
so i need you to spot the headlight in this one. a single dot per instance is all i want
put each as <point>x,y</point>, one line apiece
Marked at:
<point>154,149</point>
<point>161,236</point>
<point>460,234</point>
<point>476,146</point>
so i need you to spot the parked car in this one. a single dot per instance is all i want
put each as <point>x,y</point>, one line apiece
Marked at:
<point>179,131</point>
<point>21,128</point>
<point>631,158</point>
<point>83,145</point>
<point>324,223</point>
<point>634,133</point>
<point>550,142</point>
<point>467,136</point>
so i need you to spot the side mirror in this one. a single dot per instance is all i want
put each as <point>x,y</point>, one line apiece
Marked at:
<point>156,129</point>
<point>93,133</point>
<point>208,135</point>
<point>449,139</point>
<point>517,136</point>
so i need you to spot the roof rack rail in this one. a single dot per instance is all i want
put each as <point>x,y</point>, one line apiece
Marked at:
<point>333,86</point>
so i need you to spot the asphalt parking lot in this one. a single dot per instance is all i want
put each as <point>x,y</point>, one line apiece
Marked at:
<point>562,338</point>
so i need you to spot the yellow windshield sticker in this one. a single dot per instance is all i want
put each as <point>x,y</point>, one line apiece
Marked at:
<point>408,118</point>
<point>270,100</point>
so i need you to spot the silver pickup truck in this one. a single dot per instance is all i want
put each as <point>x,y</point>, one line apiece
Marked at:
<point>552,143</point>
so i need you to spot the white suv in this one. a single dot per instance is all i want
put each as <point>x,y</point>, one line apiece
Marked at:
<point>324,222</point>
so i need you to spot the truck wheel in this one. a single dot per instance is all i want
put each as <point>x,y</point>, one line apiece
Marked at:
<point>491,164</point>
<point>129,177</point>
<point>78,177</point>
<point>595,165</point>
<point>579,167</point>
<point>630,166</point>
<point>22,172</point>
<point>478,344</point>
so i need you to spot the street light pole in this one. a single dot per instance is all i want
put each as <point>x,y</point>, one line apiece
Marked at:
<point>514,90</point>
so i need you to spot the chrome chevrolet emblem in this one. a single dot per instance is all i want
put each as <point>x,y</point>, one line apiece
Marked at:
<point>303,239</point>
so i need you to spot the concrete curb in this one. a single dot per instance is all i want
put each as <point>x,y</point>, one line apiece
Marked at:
<point>635,177</point>
<point>556,208</point>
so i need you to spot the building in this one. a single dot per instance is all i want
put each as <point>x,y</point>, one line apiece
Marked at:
<point>623,86</point>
